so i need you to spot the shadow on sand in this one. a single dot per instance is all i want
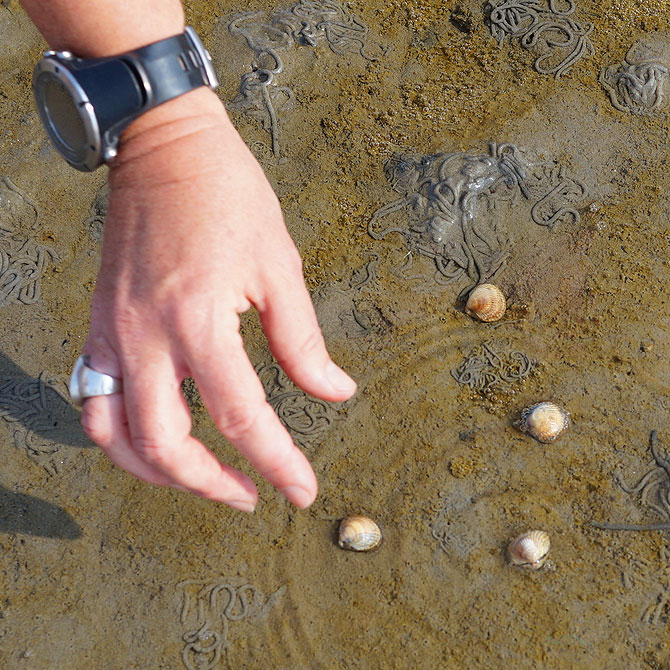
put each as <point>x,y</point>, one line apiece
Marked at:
<point>44,420</point>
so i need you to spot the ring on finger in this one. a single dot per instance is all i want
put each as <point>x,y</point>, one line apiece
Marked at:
<point>86,382</point>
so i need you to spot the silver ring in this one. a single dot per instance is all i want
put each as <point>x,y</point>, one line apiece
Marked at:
<point>86,382</point>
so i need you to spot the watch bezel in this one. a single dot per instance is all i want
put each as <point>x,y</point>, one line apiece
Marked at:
<point>89,156</point>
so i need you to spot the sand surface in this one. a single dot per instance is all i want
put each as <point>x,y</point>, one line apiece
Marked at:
<point>99,570</point>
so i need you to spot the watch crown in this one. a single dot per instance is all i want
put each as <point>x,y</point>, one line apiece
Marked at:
<point>109,153</point>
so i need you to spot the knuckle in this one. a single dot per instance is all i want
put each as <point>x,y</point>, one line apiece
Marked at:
<point>195,320</point>
<point>152,451</point>
<point>94,425</point>
<point>273,472</point>
<point>118,319</point>
<point>310,347</point>
<point>183,324</point>
<point>294,260</point>
<point>313,343</point>
<point>238,422</point>
<point>187,315</point>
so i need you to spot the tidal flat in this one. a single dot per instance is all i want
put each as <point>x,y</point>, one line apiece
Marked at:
<point>455,108</point>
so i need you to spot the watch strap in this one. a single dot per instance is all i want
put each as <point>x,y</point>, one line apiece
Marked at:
<point>171,67</point>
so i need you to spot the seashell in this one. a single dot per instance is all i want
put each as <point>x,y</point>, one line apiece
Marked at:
<point>545,421</point>
<point>529,550</point>
<point>486,303</point>
<point>359,533</point>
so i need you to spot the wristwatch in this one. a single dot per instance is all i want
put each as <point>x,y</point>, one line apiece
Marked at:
<point>86,103</point>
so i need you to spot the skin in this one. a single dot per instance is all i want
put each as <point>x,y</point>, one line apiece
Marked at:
<point>194,237</point>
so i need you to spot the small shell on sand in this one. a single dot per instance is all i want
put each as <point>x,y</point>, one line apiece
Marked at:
<point>529,550</point>
<point>486,302</point>
<point>545,421</point>
<point>359,533</point>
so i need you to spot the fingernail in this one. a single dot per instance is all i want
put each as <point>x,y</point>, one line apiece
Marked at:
<point>242,505</point>
<point>298,496</point>
<point>339,379</point>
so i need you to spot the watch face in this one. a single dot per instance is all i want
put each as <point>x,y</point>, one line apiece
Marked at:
<point>63,115</point>
<point>67,114</point>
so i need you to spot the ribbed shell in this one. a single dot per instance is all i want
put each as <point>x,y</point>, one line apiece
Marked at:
<point>544,421</point>
<point>529,550</point>
<point>486,303</point>
<point>359,533</point>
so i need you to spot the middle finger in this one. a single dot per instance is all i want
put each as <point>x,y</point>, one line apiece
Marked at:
<point>235,398</point>
<point>159,424</point>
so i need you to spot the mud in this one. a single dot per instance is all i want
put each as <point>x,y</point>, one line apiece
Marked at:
<point>96,566</point>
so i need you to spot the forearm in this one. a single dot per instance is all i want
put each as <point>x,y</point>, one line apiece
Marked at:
<point>94,28</point>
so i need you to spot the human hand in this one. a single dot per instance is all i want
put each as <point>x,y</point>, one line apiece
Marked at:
<point>194,237</point>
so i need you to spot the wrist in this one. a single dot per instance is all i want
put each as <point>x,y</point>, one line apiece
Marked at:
<point>201,101</point>
<point>195,111</point>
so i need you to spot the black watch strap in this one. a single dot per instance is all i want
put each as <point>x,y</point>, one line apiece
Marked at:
<point>172,67</point>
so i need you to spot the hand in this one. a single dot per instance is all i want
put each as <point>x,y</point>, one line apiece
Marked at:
<point>195,236</point>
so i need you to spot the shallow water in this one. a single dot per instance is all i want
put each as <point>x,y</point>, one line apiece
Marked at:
<point>100,570</point>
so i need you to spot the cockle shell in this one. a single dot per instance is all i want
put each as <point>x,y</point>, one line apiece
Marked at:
<point>544,421</point>
<point>529,550</point>
<point>359,533</point>
<point>486,303</point>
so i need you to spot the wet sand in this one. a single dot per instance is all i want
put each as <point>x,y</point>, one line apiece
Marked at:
<point>100,570</point>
